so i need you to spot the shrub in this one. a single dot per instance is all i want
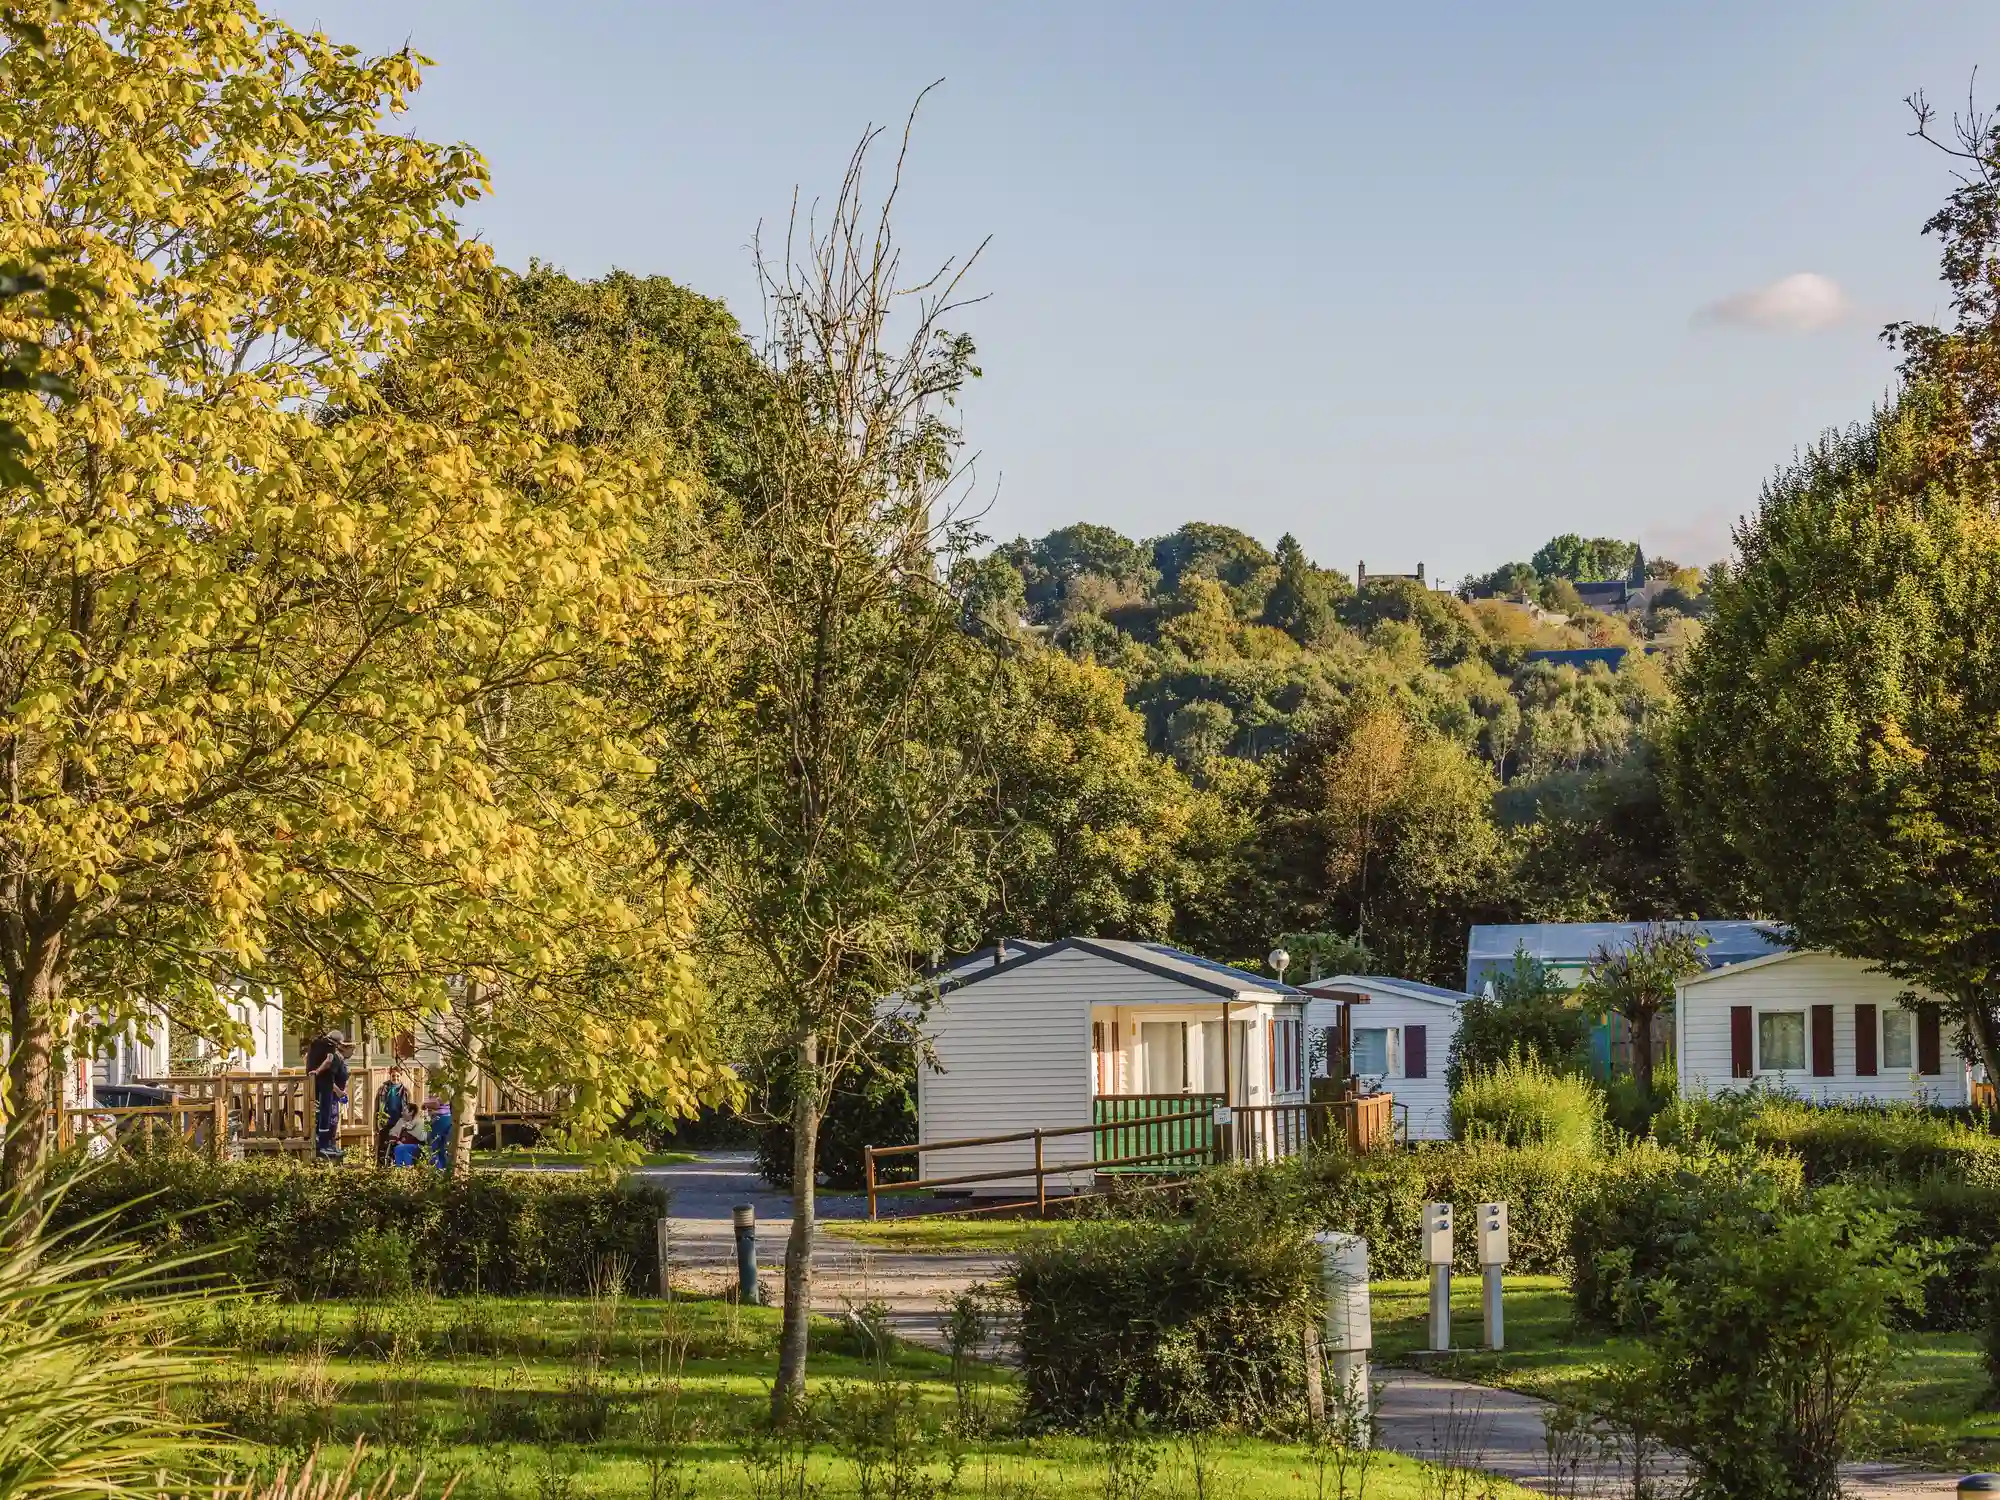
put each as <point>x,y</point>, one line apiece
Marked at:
<point>1192,1323</point>
<point>1989,1284</point>
<point>1525,1102</point>
<point>314,1232</point>
<point>1889,1144</point>
<point>872,1105</point>
<point>1530,1013</point>
<point>1767,1343</point>
<point>1958,1226</point>
<point>1651,1210</point>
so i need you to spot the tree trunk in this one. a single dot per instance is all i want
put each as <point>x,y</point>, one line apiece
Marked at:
<point>790,1389</point>
<point>1979,1022</point>
<point>34,996</point>
<point>1642,1052</point>
<point>468,1052</point>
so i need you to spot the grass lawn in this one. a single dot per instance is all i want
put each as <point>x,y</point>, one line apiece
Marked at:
<point>528,1156</point>
<point>940,1235</point>
<point>530,1399</point>
<point>1936,1409</point>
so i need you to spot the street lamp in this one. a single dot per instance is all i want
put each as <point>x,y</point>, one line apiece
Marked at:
<point>1279,960</point>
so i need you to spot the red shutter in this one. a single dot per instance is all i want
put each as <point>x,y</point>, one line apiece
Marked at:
<point>1930,1055</point>
<point>1822,1041</point>
<point>1416,1052</point>
<point>1864,1041</point>
<point>1740,1028</point>
<point>1271,1053</point>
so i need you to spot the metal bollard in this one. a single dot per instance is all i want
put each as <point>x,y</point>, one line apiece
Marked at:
<point>1492,1269</point>
<point>745,1216</point>
<point>1350,1330</point>
<point>1436,1231</point>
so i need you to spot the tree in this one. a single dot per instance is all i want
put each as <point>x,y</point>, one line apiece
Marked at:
<point>1583,561</point>
<point>253,648</point>
<point>1223,553</point>
<point>1056,564</point>
<point>1091,823</point>
<point>825,778</point>
<point>1531,1013</point>
<point>1297,603</point>
<point>1504,582</point>
<point>1637,980</point>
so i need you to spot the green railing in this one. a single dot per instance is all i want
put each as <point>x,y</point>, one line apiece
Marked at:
<point>1181,1145</point>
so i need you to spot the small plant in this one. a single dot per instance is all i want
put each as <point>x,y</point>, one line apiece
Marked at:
<point>665,1427</point>
<point>777,1460</point>
<point>968,1324</point>
<point>1128,1458</point>
<point>1340,1444</point>
<point>384,1263</point>
<point>877,1425</point>
<point>1449,1469</point>
<point>1525,1102</point>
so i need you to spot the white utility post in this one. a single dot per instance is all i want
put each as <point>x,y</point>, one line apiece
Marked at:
<point>1350,1330</point>
<point>1492,1266</point>
<point>1437,1255</point>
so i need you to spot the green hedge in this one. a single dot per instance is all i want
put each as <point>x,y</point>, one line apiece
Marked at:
<point>310,1231</point>
<point>1891,1145</point>
<point>1194,1324</point>
<point>1380,1195</point>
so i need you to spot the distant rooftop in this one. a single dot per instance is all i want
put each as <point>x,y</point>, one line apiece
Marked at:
<point>1569,945</point>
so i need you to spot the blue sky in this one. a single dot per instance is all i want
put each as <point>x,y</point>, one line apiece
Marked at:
<point>1413,282</point>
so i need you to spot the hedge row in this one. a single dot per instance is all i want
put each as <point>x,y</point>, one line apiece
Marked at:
<point>1193,1323</point>
<point>1891,1145</point>
<point>309,1231</point>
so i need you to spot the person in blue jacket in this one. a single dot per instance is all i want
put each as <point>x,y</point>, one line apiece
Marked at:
<point>437,1147</point>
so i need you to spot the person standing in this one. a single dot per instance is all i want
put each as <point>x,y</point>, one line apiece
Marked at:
<point>329,1078</point>
<point>389,1107</point>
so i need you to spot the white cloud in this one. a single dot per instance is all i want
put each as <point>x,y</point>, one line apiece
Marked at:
<point>1803,302</point>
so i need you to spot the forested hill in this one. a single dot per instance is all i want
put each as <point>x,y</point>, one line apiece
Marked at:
<point>1379,755</point>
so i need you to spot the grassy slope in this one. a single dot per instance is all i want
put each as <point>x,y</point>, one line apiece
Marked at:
<point>1936,1409</point>
<point>399,1379</point>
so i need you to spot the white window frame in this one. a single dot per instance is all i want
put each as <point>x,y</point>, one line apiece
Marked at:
<point>1908,1021</point>
<point>1805,1040</point>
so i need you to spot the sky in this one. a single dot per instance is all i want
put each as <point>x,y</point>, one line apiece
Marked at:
<point>1414,283</point>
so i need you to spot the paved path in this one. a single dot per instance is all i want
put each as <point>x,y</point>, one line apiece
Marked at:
<point>847,1275</point>
<point>1502,1432</point>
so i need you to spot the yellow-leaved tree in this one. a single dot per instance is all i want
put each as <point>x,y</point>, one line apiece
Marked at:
<point>295,677</point>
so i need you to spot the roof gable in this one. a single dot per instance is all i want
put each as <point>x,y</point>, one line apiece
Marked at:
<point>1204,975</point>
<point>1404,989</point>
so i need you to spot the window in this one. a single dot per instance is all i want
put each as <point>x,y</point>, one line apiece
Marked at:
<point>1781,1041</point>
<point>1899,1054</point>
<point>1164,1044</point>
<point>1104,1052</point>
<point>1375,1052</point>
<point>1284,1059</point>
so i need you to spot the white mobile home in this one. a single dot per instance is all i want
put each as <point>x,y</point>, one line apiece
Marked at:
<point>1390,1036</point>
<point>1825,1028</point>
<point>1087,1031</point>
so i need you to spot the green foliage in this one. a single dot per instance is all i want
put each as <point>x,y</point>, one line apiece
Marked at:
<point>309,1233</point>
<point>1530,1015</point>
<point>1636,979</point>
<point>1989,1287</point>
<point>873,1103</point>
<point>1300,601</point>
<point>1583,561</point>
<point>87,1350</point>
<point>1898,1144</point>
<point>1522,1101</point>
<point>1223,553</point>
<point>1191,1323</point>
<point>1768,1341</point>
<point>1651,1210</point>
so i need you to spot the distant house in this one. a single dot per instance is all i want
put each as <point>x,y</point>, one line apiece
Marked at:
<point>1582,657</point>
<point>1631,595</point>
<point>1391,1036</point>
<point>1362,577</point>
<point>1825,1028</point>
<point>1088,1031</point>
<point>1568,947</point>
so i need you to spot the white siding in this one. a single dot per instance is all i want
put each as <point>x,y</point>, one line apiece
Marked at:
<point>1428,1100</point>
<point>1013,1053</point>
<point>1797,983</point>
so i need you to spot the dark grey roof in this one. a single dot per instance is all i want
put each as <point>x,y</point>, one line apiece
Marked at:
<point>1199,973</point>
<point>1437,991</point>
<point>1492,947</point>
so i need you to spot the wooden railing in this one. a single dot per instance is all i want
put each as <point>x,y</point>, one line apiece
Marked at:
<point>1178,1130</point>
<point>275,1112</point>
<point>201,1126</point>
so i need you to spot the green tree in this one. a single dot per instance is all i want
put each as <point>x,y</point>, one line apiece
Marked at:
<point>1091,821</point>
<point>1531,1013</point>
<point>1582,560</point>
<point>1058,563</point>
<point>824,780</point>
<point>260,620</point>
<point>1637,980</point>
<point>1298,602</point>
<point>1223,553</point>
<point>1504,582</point>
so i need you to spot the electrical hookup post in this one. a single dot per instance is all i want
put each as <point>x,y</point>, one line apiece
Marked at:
<point>1437,1255</point>
<point>1349,1332</point>
<point>1492,1269</point>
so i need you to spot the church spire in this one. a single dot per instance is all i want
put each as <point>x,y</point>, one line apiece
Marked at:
<point>1637,577</point>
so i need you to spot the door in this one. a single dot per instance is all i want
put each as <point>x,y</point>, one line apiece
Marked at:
<point>1164,1044</point>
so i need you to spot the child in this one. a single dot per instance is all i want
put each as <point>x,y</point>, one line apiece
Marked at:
<point>437,1144</point>
<point>405,1138</point>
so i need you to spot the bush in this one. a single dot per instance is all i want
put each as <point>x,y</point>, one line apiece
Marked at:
<point>873,1104</point>
<point>1888,1144</point>
<point>1651,1210</point>
<point>318,1232</point>
<point>1989,1284</point>
<point>1379,1196</point>
<point>1531,1013</point>
<point>1768,1342</point>
<point>1957,1224</point>
<point>1192,1323</point>
<point>1525,1102</point>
